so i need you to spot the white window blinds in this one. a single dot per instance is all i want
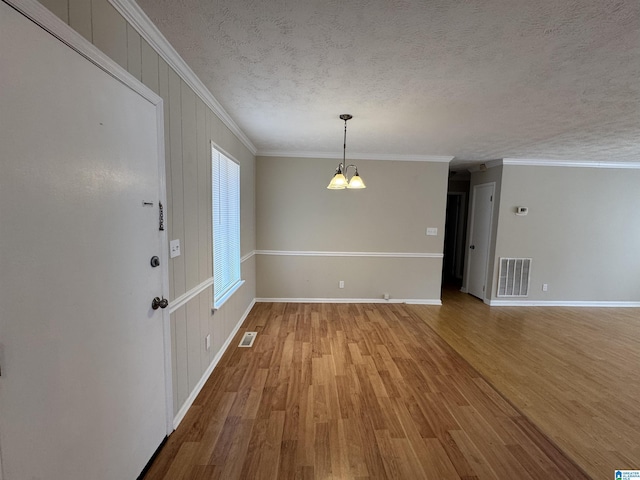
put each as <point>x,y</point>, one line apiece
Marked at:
<point>225,190</point>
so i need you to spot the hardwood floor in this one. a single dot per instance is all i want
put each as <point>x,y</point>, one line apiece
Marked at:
<point>354,392</point>
<point>574,372</point>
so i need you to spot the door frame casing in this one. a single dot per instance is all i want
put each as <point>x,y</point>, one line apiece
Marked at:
<point>472,210</point>
<point>40,15</point>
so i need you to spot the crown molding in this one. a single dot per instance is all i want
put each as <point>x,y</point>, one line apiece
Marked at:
<point>487,164</point>
<point>542,162</point>
<point>358,156</point>
<point>133,14</point>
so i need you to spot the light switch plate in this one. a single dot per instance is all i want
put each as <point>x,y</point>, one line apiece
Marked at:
<point>432,231</point>
<point>174,248</point>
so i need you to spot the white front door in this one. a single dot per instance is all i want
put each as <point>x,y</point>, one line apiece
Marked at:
<point>82,385</point>
<point>480,237</point>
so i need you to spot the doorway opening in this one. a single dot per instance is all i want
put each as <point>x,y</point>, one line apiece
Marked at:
<point>455,230</point>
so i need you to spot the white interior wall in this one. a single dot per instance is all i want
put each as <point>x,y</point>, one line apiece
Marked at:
<point>309,238</point>
<point>582,231</point>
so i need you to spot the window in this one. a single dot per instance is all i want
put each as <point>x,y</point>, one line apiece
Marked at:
<point>225,200</point>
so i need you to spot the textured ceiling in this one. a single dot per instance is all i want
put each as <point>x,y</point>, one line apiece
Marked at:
<point>477,80</point>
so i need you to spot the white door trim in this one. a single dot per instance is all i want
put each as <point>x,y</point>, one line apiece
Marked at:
<point>36,12</point>
<point>470,235</point>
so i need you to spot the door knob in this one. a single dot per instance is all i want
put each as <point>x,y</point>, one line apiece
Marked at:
<point>159,303</point>
<point>155,261</point>
<point>472,247</point>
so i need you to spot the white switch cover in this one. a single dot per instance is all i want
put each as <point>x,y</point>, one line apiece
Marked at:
<point>174,248</point>
<point>432,231</point>
<point>207,342</point>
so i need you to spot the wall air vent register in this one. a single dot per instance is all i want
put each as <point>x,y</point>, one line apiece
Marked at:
<point>514,277</point>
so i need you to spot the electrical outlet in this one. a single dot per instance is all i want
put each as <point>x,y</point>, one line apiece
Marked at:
<point>545,287</point>
<point>207,342</point>
<point>432,231</point>
<point>341,284</point>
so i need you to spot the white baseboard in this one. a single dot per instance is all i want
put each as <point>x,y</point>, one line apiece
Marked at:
<point>205,376</point>
<point>418,301</point>
<point>316,253</point>
<point>560,303</point>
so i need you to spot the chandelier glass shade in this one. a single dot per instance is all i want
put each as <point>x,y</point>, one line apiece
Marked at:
<point>340,179</point>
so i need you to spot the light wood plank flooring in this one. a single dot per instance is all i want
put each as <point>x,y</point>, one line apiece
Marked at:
<point>353,392</point>
<point>574,372</point>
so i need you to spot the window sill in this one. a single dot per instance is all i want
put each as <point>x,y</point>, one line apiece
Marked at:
<point>217,305</point>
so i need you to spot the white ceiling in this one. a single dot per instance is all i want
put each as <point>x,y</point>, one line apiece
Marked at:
<point>476,80</point>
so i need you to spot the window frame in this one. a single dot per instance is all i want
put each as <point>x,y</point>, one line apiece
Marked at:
<point>229,248</point>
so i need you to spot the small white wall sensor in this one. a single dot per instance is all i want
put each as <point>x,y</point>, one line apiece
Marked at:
<point>522,210</point>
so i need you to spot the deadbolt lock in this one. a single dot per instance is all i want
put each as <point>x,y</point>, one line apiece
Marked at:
<point>159,303</point>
